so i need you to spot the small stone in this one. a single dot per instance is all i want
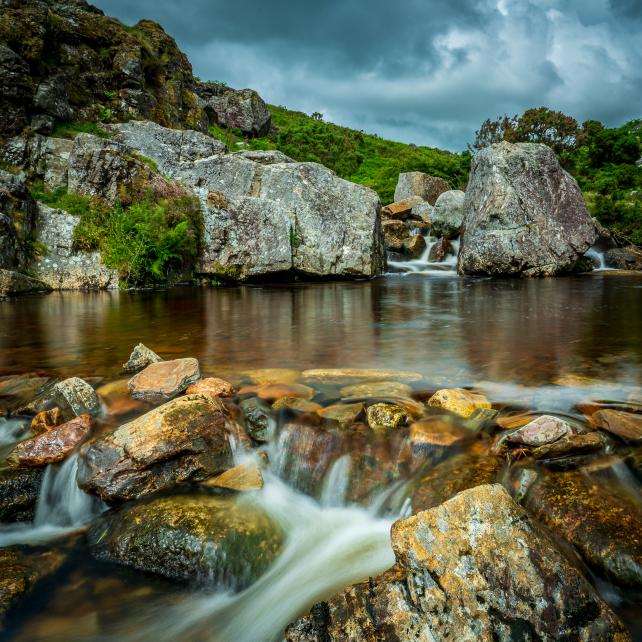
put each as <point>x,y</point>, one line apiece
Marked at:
<point>345,375</point>
<point>140,358</point>
<point>343,413</point>
<point>395,233</point>
<point>78,395</point>
<point>55,444</point>
<point>435,432</point>
<point>295,403</point>
<point>46,420</point>
<point>244,477</point>
<point>459,401</point>
<point>212,386</point>
<point>377,389</point>
<point>386,416</point>
<point>626,425</point>
<point>415,246</point>
<point>571,445</point>
<point>259,422</point>
<point>543,430</point>
<point>164,380</point>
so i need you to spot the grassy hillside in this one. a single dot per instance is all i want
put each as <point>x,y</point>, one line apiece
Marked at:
<point>363,158</point>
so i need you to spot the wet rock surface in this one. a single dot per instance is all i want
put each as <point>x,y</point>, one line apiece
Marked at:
<point>461,573</point>
<point>626,425</point>
<point>140,358</point>
<point>19,489</point>
<point>187,439</point>
<point>459,401</point>
<point>164,380</point>
<point>203,538</point>
<point>543,430</point>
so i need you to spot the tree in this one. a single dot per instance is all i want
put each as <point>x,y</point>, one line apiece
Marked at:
<point>494,131</point>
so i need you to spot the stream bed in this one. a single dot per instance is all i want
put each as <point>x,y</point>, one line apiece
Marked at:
<point>562,346</point>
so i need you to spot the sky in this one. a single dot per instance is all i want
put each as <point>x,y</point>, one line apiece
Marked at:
<point>427,72</point>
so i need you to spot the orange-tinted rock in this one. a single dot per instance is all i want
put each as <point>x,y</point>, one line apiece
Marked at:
<point>344,413</point>
<point>270,392</point>
<point>626,425</point>
<point>514,421</point>
<point>242,477</point>
<point>436,432</point>
<point>296,403</point>
<point>46,420</point>
<point>459,401</point>
<point>212,386</point>
<point>400,209</point>
<point>55,444</point>
<point>164,380</point>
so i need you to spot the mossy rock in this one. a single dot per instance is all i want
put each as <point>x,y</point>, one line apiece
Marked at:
<point>207,538</point>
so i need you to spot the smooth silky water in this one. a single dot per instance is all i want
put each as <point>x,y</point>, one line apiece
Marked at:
<point>513,339</point>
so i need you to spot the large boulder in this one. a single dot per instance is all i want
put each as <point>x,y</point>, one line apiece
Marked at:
<point>419,184</point>
<point>448,215</point>
<point>163,380</point>
<point>523,214</point>
<point>14,283</point>
<point>204,538</point>
<point>187,439</point>
<point>473,568</point>
<point>240,109</point>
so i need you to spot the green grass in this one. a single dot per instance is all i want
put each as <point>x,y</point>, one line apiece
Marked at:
<point>354,155</point>
<point>147,242</point>
<point>71,130</point>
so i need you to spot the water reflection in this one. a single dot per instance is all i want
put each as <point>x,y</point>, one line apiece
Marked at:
<point>456,330</point>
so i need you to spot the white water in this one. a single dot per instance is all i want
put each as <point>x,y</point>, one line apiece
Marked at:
<point>597,255</point>
<point>12,431</point>
<point>327,548</point>
<point>423,265</point>
<point>62,508</point>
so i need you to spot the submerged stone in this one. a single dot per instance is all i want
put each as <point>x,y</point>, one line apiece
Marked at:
<point>473,568</point>
<point>345,375</point>
<point>571,445</point>
<point>212,386</point>
<point>186,439</point>
<point>164,380</point>
<point>203,538</point>
<point>459,401</point>
<point>380,389</point>
<point>343,413</point>
<point>296,403</point>
<point>626,425</point>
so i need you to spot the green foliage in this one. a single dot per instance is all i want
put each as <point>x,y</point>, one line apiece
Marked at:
<point>294,241</point>
<point>71,130</point>
<point>110,94</point>
<point>363,158</point>
<point>147,242</point>
<point>9,167</point>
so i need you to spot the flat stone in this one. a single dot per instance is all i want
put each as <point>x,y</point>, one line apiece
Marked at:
<point>345,375</point>
<point>55,444</point>
<point>343,413</point>
<point>212,386</point>
<point>571,445</point>
<point>270,392</point>
<point>272,375</point>
<point>164,380</point>
<point>626,425</point>
<point>140,358</point>
<point>543,430</point>
<point>378,389</point>
<point>434,431</point>
<point>401,209</point>
<point>296,403</point>
<point>459,401</point>
<point>244,477</point>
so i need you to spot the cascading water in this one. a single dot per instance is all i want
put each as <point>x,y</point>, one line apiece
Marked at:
<point>423,265</point>
<point>597,255</point>
<point>61,508</point>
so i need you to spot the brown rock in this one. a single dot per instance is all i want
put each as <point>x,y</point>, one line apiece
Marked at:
<point>212,386</point>
<point>473,568</point>
<point>296,403</point>
<point>270,392</point>
<point>571,445</point>
<point>440,250</point>
<point>415,246</point>
<point>386,416</point>
<point>46,420</point>
<point>402,209</point>
<point>164,380</point>
<point>343,413</point>
<point>345,375</point>
<point>244,477</point>
<point>434,431</point>
<point>55,444</point>
<point>272,375</point>
<point>626,425</point>
<point>459,401</point>
<point>514,421</point>
<point>186,439</point>
<point>376,389</point>
<point>395,233</point>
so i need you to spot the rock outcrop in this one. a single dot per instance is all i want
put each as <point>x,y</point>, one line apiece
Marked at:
<point>523,214</point>
<point>187,439</point>
<point>17,221</point>
<point>14,283</point>
<point>473,568</point>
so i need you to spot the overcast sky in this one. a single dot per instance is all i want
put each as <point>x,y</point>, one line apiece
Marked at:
<point>422,71</point>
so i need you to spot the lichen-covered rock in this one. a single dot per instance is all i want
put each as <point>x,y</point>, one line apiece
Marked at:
<point>74,396</point>
<point>240,109</point>
<point>55,444</point>
<point>419,184</point>
<point>473,568</point>
<point>140,358</point>
<point>448,215</point>
<point>523,214</point>
<point>386,416</point>
<point>601,522</point>
<point>186,439</point>
<point>459,401</point>
<point>259,422</point>
<point>14,283</point>
<point>208,539</point>
<point>163,380</point>
<point>19,490</point>
<point>21,571</point>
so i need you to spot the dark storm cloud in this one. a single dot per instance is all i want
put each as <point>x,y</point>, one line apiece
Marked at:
<point>416,70</point>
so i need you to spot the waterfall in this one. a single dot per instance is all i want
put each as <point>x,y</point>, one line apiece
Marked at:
<point>61,508</point>
<point>597,255</point>
<point>423,265</point>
